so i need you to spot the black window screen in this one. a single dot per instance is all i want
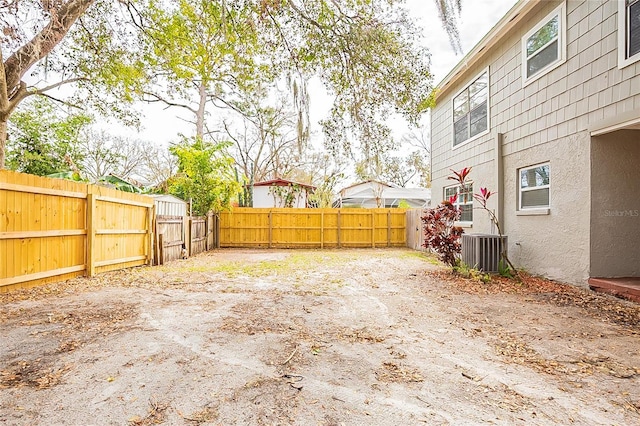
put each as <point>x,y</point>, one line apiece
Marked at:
<point>634,28</point>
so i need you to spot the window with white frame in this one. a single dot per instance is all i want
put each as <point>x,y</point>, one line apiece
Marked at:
<point>534,187</point>
<point>471,110</point>
<point>544,47</point>
<point>628,32</point>
<point>464,200</point>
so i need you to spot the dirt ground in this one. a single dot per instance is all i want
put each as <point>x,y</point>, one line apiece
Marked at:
<point>353,337</point>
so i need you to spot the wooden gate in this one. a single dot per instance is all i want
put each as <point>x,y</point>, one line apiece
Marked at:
<point>415,230</point>
<point>170,239</point>
<point>198,235</point>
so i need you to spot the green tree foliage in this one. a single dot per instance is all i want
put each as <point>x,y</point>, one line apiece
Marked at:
<point>199,51</point>
<point>405,170</point>
<point>366,55</point>
<point>364,51</point>
<point>82,43</point>
<point>205,175</point>
<point>44,141</point>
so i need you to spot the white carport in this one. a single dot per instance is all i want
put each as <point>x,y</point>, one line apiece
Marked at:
<point>372,194</point>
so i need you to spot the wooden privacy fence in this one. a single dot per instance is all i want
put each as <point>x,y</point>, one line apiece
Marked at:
<point>53,229</point>
<point>312,228</point>
<point>415,233</point>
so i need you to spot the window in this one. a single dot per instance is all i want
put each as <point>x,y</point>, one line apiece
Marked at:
<point>471,110</point>
<point>534,187</point>
<point>628,32</point>
<point>544,47</point>
<point>464,200</point>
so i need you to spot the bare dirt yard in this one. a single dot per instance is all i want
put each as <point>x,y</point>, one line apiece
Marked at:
<point>353,337</point>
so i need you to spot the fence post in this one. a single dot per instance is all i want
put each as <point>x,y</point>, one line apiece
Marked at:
<point>156,249</point>
<point>151,214</point>
<point>161,249</point>
<point>339,243</point>
<point>190,228</point>
<point>270,228</point>
<point>212,222</point>
<point>373,229</point>
<point>207,231</point>
<point>389,228</point>
<point>216,221</point>
<point>91,235</point>
<point>322,229</point>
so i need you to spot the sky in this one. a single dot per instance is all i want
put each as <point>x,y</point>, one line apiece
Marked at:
<point>161,126</point>
<point>477,18</point>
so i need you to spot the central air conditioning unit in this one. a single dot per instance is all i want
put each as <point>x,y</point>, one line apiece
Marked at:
<point>482,251</point>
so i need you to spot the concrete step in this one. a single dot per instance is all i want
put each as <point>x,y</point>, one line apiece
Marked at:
<point>625,288</point>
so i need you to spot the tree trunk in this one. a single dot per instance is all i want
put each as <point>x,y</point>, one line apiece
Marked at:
<point>202,92</point>
<point>3,141</point>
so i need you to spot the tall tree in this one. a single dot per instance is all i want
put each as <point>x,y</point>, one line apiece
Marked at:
<point>104,153</point>
<point>159,165</point>
<point>199,51</point>
<point>100,158</point>
<point>366,55</point>
<point>403,171</point>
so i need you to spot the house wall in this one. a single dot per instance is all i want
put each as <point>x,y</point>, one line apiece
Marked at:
<point>263,197</point>
<point>547,120</point>
<point>615,211</point>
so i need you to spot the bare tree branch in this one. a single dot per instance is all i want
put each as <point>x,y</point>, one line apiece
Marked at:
<point>168,103</point>
<point>42,43</point>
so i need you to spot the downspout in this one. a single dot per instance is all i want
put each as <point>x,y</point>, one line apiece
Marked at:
<point>499,176</point>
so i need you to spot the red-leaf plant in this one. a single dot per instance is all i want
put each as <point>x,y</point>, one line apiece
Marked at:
<point>440,231</point>
<point>482,198</point>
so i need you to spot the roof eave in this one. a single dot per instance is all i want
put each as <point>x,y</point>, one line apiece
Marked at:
<point>502,29</point>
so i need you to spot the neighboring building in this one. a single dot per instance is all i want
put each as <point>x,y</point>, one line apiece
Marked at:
<point>546,109</point>
<point>372,194</point>
<point>281,193</point>
<point>116,182</point>
<point>169,205</point>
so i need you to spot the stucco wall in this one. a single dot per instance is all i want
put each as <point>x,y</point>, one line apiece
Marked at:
<point>615,206</point>
<point>263,197</point>
<point>547,120</point>
<point>554,244</point>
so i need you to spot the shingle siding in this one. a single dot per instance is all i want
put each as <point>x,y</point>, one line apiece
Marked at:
<point>584,88</point>
<point>561,105</point>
